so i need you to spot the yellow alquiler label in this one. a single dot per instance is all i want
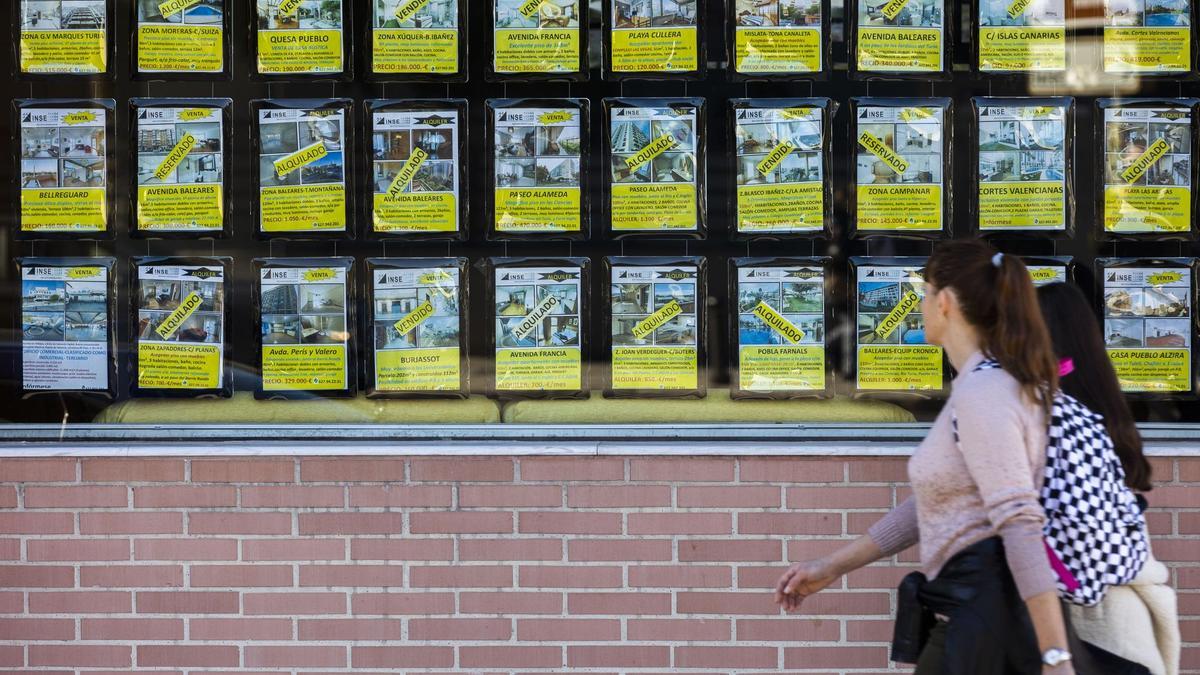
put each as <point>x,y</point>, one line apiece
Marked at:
<point>173,7</point>
<point>405,176</point>
<point>414,318</point>
<point>907,304</point>
<point>177,155</point>
<point>172,323</point>
<point>648,325</point>
<point>775,157</point>
<point>655,49</point>
<point>656,147</point>
<point>300,158</point>
<point>778,323</point>
<point>1147,159</point>
<point>881,150</point>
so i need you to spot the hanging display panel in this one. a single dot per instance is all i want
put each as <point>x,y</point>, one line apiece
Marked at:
<point>1025,164</point>
<point>64,169</point>
<point>418,328</point>
<point>1020,36</point>
<point>299,38</point>
<point>180,151</point>
<point>1148,167</point>
<point>782,182</point>
<point>418,168</point>
<point>538,168</point>
<point>656,157</point>
<point>768,39</point>
<point>902,158</point>
<point>306,316</point>
<point>304,147</point>
<point>654,39</point>
<point>1149,322</point>
<point>68,341</point>
<point>418,40</point>
<point>899,38</point>
<point>779,327</point>
<point>181,38</point>
<point>656,326</point>
<point>180,329</point>
<point>538,328</point>
<point>891,354</point>
<point>63,37</point>
<point>1148,37</point>
<point>539,39</point>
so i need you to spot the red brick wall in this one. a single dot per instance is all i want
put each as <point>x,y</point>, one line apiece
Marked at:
<point>497,565</point>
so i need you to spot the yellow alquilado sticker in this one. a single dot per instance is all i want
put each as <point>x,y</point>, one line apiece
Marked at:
<point>415,318</point>
<point>405,176</point>
<point>186,308</point>
<point>1152,154</point>
<point>173,7</point>
<point>300,158</point>
<point>778,323</point>
<point>646,326</point>
<point>908,303</point>
<point>534,318</point>
<point>656,147</point>
<point>881,150</point>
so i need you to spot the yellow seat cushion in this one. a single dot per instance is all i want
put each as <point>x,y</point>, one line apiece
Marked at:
<point>243,408</point>
<point>717,407</point>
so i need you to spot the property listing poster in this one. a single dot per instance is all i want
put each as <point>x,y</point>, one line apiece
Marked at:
<point>65,327</point>
<point>777,36</point>
<point>297,37</point>
<point>415,171</point>
<point>181,36</point>
<point>538,312</point>
<point>538,161</point>
<point>1147,169</point>
<point>781,328</point>
<point>302,169</point>
<point>180,328</point>
<point>654,169</point>
<point>180,169</point>
<point>305,334</point>
<point>1022,168</point>
<point>1148,327</point>
<point>654,36</point>
<point>892,353</point>
<point>417,329</point>
<point>538,36</point>
<point>901,36</point>
<point>655,327</point>
<point>899,168</point>
<point>1022,35</point>
<point>64,175</point>
<point>1147,36</point>
<point>780,169</point>
<point>415,37</point>
<point>64,36</point>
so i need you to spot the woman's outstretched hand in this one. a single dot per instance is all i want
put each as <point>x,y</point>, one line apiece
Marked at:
<point>802,580</point>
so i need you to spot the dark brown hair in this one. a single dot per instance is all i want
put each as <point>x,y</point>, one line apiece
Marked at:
<point>997,298</point>
<point>1075,334</point>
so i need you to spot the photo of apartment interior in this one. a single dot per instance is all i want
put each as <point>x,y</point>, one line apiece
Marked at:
<point>82,172</point>
<point>40,143</point>
<point>81,141</point>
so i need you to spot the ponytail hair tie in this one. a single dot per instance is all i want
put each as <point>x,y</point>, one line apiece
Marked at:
<point>996,259</point>
<point>1065,367</point>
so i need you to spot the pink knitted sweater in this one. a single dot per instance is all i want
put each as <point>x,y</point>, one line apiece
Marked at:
<point>989,487</point>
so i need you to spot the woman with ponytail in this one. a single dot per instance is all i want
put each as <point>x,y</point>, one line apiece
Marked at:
<point>985,602</point>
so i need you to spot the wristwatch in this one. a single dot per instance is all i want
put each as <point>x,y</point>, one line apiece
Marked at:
<point>1055,657</point>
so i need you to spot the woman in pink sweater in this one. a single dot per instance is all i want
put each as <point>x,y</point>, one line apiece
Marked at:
<point>988,602</point>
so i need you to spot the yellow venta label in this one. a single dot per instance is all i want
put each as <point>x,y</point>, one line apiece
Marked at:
<point>298,159</point>
<point>172,7</point>
<point>319,274</point>
<point>79,118</point>
<point>83,272</point>
<point>776,157</point>
<point>414,318</point>
<point>177,155</point>
<point>406,9</point>
<point>657,147</point>
<point>178,365</point>
<point>645,327</point>
<point>555,117</point>
<point>1152,370</point>
<point>405,176</point>
<point>172,323</point>
<point>655,49</point>
<point>892,8</point>
<point>908,303</point>
<point>1162,278</point>
<point>1152,154</point>
<point>1043,273</point>
<point>1130,208</point>
<point>321,367</point>
<point>778,323</point>
<point>881,150</point>
<point>418,370</point>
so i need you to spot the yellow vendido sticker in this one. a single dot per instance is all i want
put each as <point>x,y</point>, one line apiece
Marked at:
<point>405,10</point>
<point>288,7</point>
<point>775,157</point>
<point>892,7</point>
<point>414,318</point>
